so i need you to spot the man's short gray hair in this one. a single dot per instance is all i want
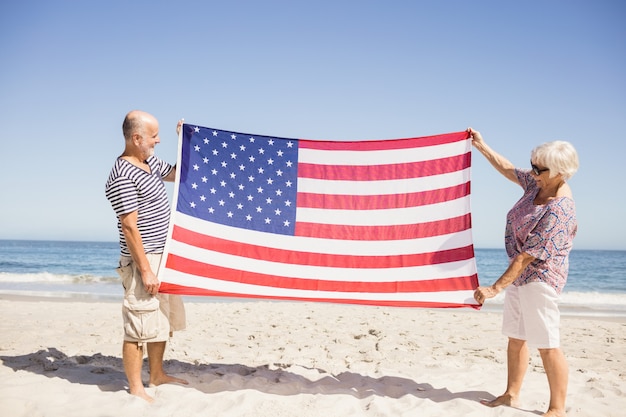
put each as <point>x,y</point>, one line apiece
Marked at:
<point>133,123</point>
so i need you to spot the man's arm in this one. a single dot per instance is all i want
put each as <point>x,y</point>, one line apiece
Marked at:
<point>172,175</point>
<point>135,246</point>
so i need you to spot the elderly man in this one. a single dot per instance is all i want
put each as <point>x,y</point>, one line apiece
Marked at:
<point>137,194</point>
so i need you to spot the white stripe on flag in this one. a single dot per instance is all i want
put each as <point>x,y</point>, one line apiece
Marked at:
<point>179,278</point>
<point>381,157</point>
<point>323,273</point>
<point>327,246</point>
<point>385,217</point>
<point>409,185</point>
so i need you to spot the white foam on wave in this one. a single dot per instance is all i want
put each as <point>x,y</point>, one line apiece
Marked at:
<point>594,300</point>
<point>49,278</point>
<point>588,302</point>
<point>61,295</point>
<point>582,299</point>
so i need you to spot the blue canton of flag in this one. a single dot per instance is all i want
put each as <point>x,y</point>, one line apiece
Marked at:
<point>239,180</point>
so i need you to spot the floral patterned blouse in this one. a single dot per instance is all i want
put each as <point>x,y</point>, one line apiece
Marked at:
<point>544,231</point>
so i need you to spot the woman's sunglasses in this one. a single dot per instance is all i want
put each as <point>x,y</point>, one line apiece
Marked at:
<point>536,169</point>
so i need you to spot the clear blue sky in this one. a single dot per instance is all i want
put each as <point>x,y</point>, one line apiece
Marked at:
<point>521,72</point>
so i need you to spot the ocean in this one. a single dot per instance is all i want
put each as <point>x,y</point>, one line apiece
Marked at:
<point>596,284</point>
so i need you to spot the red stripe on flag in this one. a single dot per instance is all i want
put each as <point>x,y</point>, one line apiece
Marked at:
<point>397,232</point>
<point>385,171</point>
<point>374,202</point>
<point>318,259</point>
<point>201,269</point>
<point>384,145</point>
<point>185,290</point>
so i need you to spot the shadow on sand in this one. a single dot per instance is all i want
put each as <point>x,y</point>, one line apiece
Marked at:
<point>107,373</point>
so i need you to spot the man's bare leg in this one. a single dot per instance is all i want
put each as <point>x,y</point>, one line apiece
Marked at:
<point>556,369</point>
<point>156,350</point>
<point>517,363</point>
<point>132,357</point>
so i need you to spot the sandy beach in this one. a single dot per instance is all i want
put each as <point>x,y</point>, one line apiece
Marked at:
<point>63,358</point>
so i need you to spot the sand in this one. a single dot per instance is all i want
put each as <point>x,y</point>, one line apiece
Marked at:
<point>63,358</point>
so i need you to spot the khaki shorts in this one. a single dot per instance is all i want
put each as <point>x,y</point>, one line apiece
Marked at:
<point>531,313</point>
<point>148,318</point>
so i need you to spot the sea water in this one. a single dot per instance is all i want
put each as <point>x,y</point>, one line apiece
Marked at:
<point>596,284</point>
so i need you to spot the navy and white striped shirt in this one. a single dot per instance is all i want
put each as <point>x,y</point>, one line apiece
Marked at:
<point>130,188</point>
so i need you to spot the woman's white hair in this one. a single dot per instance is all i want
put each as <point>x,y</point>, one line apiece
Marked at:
<point>559,156</point>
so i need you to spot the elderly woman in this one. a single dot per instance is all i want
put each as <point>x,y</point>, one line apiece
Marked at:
<point>540,229</point>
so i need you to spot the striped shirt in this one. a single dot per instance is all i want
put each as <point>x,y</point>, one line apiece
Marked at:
<point>130,188</point>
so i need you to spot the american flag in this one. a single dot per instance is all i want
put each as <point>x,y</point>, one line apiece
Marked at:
<point>382,222</point>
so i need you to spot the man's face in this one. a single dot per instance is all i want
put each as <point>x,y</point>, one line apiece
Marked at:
<point>149,138</point>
